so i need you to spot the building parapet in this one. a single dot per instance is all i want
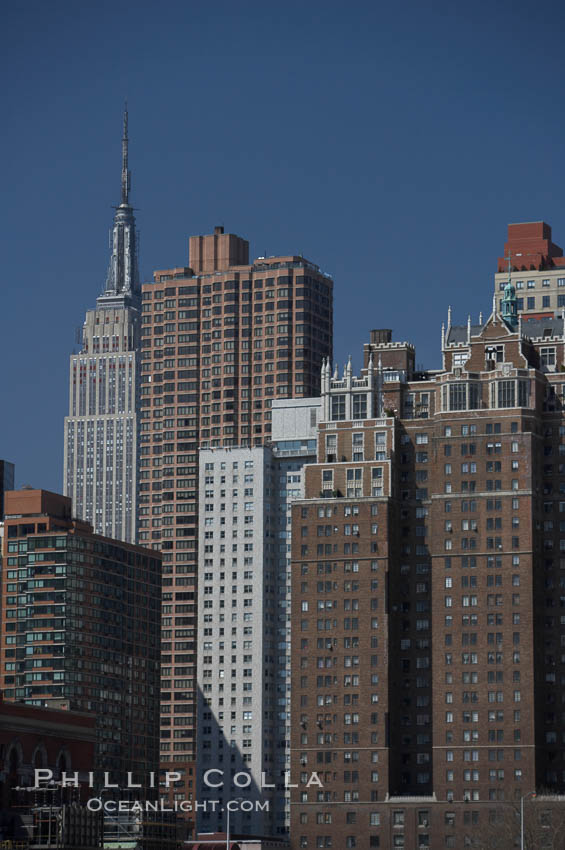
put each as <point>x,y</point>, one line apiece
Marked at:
<point>385,346</point>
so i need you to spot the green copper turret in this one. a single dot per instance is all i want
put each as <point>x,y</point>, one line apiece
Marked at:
<point>510,306</point>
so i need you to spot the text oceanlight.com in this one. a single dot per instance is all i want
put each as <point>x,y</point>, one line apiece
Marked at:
<point>96,804</point>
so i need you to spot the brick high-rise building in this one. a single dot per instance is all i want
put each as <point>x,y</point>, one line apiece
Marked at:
<point>427,652</point>
<point>81,627</point>
<point>537,269</point>
<point>219,341</point>
<point>100,450</point>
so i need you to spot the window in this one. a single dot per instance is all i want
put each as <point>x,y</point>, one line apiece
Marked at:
<point>357,446</point>
<point>495,352</point>
<point>506,394</point>
<point>338,407</point>
<point>359,406</point>
<point>460,358</point>
<point>457,396</point>
<point>462,395</point>
<point>547,357</point>
<point>377,481</point>
<point>354,479</point>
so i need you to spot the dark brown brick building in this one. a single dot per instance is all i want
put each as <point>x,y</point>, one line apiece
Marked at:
<point>428,582</point>
<point>219,341</point>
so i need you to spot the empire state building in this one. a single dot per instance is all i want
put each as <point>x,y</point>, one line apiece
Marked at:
<point>100,453</point>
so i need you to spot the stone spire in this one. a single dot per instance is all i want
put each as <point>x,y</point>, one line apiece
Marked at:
<point>123,275</point>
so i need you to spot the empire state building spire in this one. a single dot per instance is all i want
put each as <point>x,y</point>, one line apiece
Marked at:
<point>126,174</point>
<point>123,275</point>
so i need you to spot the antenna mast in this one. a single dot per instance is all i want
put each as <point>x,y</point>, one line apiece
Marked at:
<point>126,175</point>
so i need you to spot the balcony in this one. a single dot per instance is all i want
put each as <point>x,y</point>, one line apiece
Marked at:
<point>394,376</point>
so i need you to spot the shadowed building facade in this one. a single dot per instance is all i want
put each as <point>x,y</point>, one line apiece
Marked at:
<point>6,482</point>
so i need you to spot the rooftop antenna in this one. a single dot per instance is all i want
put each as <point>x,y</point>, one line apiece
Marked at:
<point>126,174</point>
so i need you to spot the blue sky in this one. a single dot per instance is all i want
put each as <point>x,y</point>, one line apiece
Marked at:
<point>390,144</point>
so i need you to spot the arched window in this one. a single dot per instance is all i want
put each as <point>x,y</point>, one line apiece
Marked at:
<point>63,761</point>
<point>39,758</point>
<point>13,763</point>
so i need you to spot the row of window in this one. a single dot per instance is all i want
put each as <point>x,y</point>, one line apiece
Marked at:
<point>531,284</point>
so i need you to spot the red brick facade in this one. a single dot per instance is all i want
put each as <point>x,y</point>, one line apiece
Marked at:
<point>530,247</point>
<point>220,340</point>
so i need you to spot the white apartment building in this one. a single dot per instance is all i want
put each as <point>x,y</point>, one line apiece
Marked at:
<point>244,620</point>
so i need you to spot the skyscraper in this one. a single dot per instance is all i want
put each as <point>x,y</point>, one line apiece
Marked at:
<point>219,341</point>
<point>100,452</point>
<point>427,659</point>
<point>244,616</point>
